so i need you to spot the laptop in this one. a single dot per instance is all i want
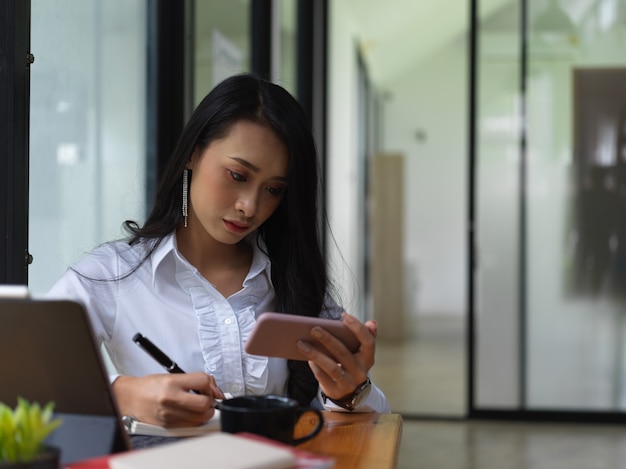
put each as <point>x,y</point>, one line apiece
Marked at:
<point>48,353</point>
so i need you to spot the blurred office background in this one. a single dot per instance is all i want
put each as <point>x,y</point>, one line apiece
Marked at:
<point>474,177</point>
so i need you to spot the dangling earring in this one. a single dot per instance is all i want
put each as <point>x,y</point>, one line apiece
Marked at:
<point>185,190</point>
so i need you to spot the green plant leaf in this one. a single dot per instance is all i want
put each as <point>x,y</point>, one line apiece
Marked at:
<point>23,430</point>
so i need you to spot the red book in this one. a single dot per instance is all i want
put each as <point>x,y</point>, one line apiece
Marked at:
<point>101,462</point>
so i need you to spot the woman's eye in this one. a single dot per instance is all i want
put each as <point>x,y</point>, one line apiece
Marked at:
<point>276,190</point>
<point>237,177</point>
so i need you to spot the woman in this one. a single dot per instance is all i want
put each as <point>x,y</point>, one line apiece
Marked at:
<point>233,233</point>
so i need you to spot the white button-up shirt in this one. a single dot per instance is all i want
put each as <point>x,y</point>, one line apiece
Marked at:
<point>167,300</point>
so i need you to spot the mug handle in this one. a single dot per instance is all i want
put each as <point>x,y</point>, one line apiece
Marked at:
<point>316,430</point>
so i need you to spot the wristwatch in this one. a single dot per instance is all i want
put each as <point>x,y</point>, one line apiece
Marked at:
<point>354,400</point>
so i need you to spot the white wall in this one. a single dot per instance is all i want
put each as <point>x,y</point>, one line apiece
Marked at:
<point>432,99</point>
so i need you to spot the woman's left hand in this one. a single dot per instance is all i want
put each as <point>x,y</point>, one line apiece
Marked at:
<point>340,376</point>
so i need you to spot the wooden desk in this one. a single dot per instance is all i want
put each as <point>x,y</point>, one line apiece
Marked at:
<point>356,440</point>
<point>366,440</point>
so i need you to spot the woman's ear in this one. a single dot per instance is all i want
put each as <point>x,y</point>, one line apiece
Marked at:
<point>195,157</point>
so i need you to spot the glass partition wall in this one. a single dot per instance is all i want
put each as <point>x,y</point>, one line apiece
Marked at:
<point>91,120</point>
<point>87,129</point>
<point>550,179</point>
<point>221,43</point>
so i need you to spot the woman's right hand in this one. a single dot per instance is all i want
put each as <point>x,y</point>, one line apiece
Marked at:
<point>166,399</point>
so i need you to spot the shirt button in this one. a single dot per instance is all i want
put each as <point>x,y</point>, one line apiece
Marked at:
<point>235,388</point>
<point>228,320</point>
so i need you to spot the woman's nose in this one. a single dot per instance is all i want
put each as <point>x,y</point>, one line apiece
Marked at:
<point>247,203</point>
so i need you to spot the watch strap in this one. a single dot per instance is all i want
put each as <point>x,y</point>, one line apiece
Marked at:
<point>351,401</point>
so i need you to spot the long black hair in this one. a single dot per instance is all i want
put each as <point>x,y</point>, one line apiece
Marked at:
<point>291,234</point>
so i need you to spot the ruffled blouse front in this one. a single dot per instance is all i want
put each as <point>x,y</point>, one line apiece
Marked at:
<point>224,325</point>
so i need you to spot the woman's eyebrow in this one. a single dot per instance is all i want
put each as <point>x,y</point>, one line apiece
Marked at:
<point>245,163</point>
<point>252,167</point>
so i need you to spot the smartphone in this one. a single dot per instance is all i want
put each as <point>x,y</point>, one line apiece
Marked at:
<point>276,335</point>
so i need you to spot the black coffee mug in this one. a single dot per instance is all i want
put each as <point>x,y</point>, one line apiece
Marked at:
<point>270,416</point>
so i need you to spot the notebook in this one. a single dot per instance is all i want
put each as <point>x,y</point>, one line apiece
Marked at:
<point>136,427</point>
<point>48,353</point>
<point>217,450</point>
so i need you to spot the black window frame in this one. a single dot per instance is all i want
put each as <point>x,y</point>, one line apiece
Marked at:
<point>14,137</point>
<point>166,85</point>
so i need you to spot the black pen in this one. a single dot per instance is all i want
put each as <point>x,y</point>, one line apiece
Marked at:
<point>156,353</point>
<point>165,361</point>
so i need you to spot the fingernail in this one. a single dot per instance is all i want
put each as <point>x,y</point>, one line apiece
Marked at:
<point>348,318</point>
<point>304,346</point>
<point>317,333</point>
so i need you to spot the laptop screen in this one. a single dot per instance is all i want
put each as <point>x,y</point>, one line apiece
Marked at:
<point>48,353</point>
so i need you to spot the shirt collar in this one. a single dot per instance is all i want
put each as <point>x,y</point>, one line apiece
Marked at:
<point>260,261</point>
<point>168,247</point>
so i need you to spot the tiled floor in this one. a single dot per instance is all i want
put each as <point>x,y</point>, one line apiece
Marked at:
<point>497,445</point>
<point>426,376</point>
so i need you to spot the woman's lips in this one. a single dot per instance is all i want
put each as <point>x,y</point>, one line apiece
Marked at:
<point>236,227</point>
